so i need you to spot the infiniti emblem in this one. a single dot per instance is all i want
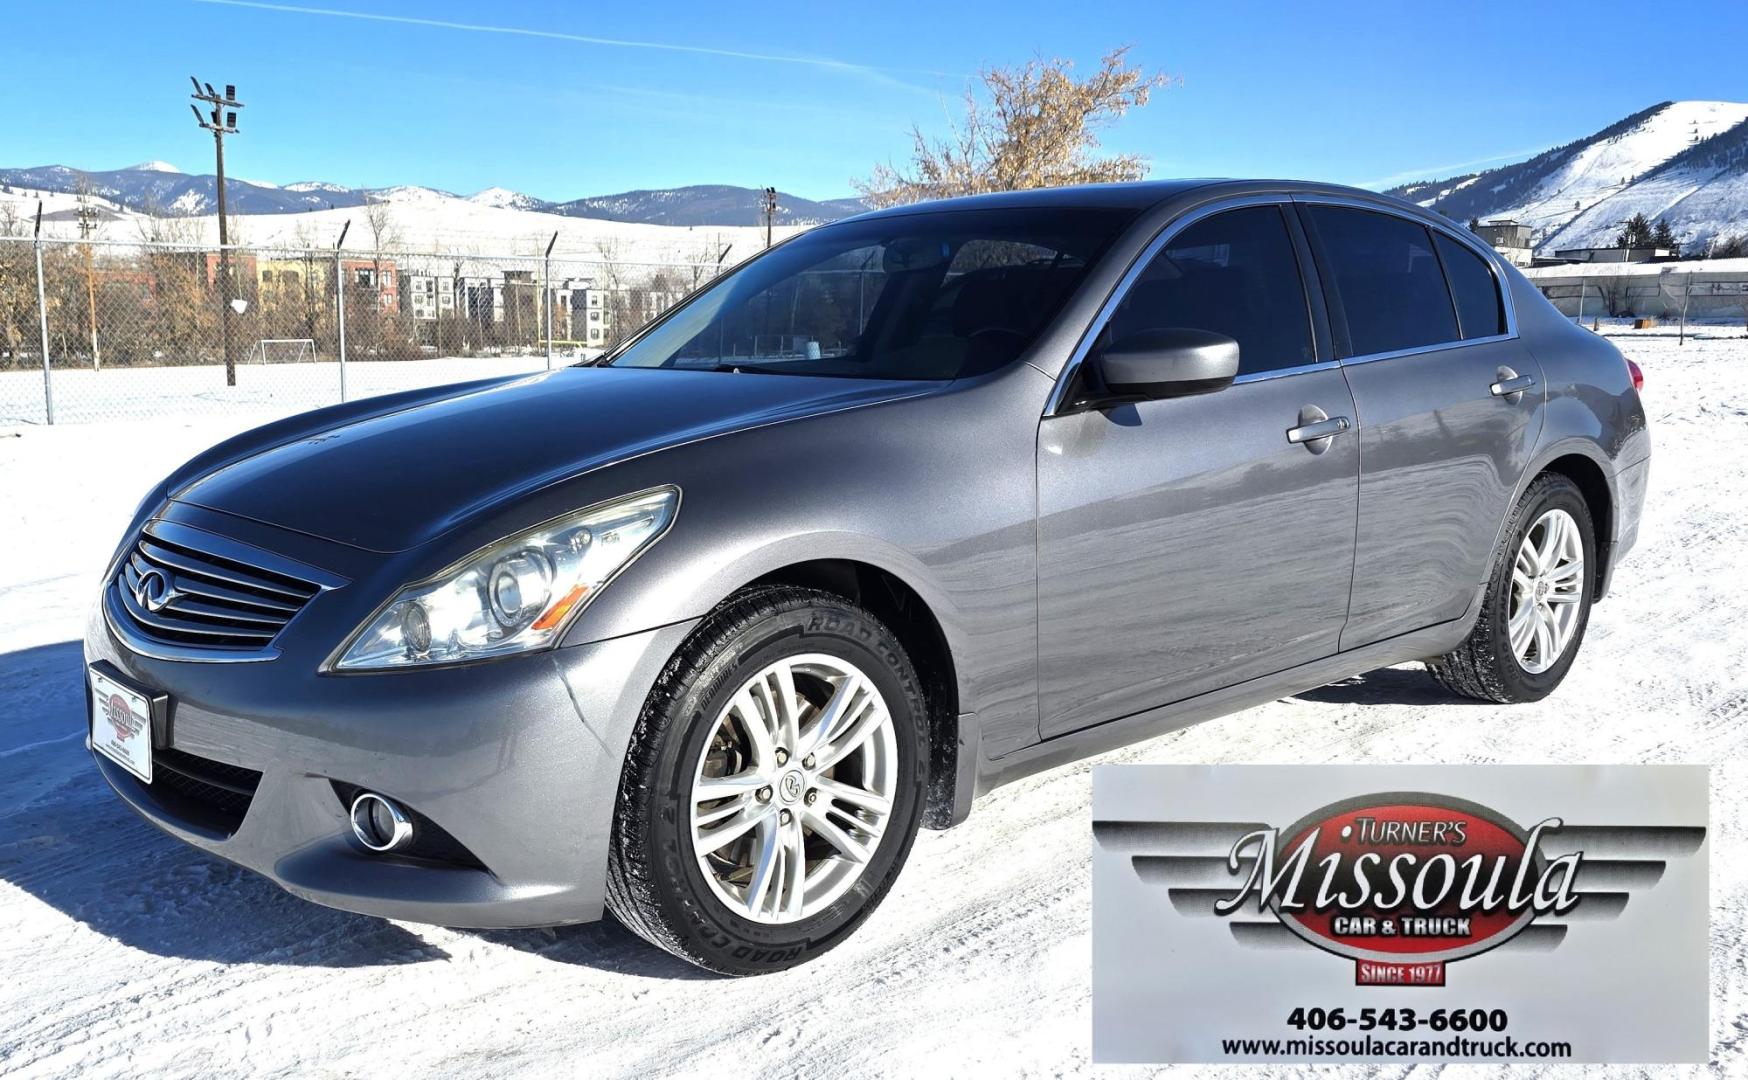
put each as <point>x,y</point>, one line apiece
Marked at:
<point>790,786</point>
<point>154,591</point>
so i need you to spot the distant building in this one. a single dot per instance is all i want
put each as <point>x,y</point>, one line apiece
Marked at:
<point>373,275</point>
<point>506,308</point>
<point>1613,254</point>
<point>1511,239</point>
<point>427,297</point>
<point>287,277</point>
<point>590,317</point>
<point>242,267</point>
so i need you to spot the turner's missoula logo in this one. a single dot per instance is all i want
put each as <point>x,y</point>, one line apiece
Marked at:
<point>1562,908</point>
<point>1402,884</point>
<point>121,717</point>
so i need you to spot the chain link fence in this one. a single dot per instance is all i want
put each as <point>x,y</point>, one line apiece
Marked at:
<point>106,330</point>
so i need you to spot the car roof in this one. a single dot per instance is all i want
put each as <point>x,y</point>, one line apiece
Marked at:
<point>1136,195</point>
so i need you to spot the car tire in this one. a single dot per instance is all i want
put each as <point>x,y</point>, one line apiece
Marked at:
<point>737,918</point>
<point>1493,665</point>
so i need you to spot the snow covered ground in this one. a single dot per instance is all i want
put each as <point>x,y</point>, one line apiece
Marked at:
<point>263,391</point>
<point>123,953</point>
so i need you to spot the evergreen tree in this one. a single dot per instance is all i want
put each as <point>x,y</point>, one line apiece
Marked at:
<point>1664,237</point>
<point>1636,233</point>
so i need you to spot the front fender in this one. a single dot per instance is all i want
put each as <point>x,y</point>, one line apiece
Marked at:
<point>894,486</point>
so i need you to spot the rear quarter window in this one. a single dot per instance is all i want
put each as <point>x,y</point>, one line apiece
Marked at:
<point>1387,279</point>
<point>1473,288</point>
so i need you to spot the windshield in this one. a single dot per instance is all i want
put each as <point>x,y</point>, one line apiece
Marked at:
<point>920,296</point>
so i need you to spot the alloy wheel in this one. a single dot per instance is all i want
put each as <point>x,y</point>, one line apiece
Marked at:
<point>1547,590</point>
<point>794,788</point>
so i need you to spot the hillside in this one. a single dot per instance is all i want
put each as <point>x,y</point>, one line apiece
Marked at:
<point>417,220</point>
<point>706,204</point>
<point>158,187</point>
<point>1685,161</point>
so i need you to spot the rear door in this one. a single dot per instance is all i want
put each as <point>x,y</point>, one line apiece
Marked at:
<point>1446,394</point>
<point>1191,543</point>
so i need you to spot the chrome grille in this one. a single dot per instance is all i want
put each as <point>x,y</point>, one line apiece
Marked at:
<point>176,588</point>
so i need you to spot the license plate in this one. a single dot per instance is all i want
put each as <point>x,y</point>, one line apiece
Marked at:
<point>121,725</point>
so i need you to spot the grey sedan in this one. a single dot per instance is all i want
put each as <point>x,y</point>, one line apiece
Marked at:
<point>905,508</point>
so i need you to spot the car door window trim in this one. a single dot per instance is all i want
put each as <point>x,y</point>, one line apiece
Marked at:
<point>1488,256</point>
<point>1281,373</point>
<point>1279,200</point>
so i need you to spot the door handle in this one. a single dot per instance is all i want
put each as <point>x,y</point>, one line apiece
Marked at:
<point>1510,383</point>
<point>1321,429</point>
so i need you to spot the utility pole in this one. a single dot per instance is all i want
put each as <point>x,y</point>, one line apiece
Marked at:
<point>769,202</point>
<point>221,121</point>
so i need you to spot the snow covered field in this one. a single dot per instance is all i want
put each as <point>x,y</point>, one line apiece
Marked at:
<point>123,953</point>
<point>263,391</point>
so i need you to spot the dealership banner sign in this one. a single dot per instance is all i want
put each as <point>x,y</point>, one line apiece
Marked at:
<point>1275,913</point>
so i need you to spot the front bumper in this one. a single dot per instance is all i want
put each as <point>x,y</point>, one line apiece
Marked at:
<point>516,759</point>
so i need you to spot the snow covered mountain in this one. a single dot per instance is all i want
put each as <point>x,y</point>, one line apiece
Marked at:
<point>1683,161</point>
<point>157,187</point>
<point>506,199</point>
<point>706,204</point>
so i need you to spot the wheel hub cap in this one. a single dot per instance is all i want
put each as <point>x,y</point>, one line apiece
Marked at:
<point>1547,591</point>
<point>794,789</point>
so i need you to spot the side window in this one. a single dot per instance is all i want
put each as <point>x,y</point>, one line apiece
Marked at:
<point>1387,276</point>
<point>1236,274</point>
<point>1473,288</point>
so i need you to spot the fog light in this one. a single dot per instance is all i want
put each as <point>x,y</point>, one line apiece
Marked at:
<point>379,824</point>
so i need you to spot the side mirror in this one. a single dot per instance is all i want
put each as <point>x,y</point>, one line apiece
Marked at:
<point>1169,363</point>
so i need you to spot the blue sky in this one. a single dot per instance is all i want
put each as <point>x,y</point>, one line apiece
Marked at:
<point>569,99</point>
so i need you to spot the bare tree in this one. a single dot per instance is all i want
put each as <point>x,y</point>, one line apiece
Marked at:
<point>1026,127</point>
<point>380,323</point>
<point>707,266</point>
<point>616,305</point>
<point>1613,291</point>
<point>17,285</point>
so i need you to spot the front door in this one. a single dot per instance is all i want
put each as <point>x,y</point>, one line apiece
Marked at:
<point>1191,543</point>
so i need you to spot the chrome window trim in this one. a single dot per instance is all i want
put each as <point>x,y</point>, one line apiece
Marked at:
<point>1489,258</point>
<point>1281,373</point>
<point>1053,406</point>
<point>1421,350</point>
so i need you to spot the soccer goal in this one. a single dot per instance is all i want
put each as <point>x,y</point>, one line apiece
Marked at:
<point>281,351</point>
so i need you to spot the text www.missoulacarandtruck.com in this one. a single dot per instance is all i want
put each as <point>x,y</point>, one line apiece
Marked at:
<point>1370,1046</point>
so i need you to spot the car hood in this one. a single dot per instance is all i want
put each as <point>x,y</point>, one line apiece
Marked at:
<point>391,482</point>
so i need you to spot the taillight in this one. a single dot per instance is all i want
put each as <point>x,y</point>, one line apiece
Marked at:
<point>1638,376</point>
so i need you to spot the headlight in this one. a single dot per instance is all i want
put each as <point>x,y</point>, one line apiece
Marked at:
<point>516,595</point>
